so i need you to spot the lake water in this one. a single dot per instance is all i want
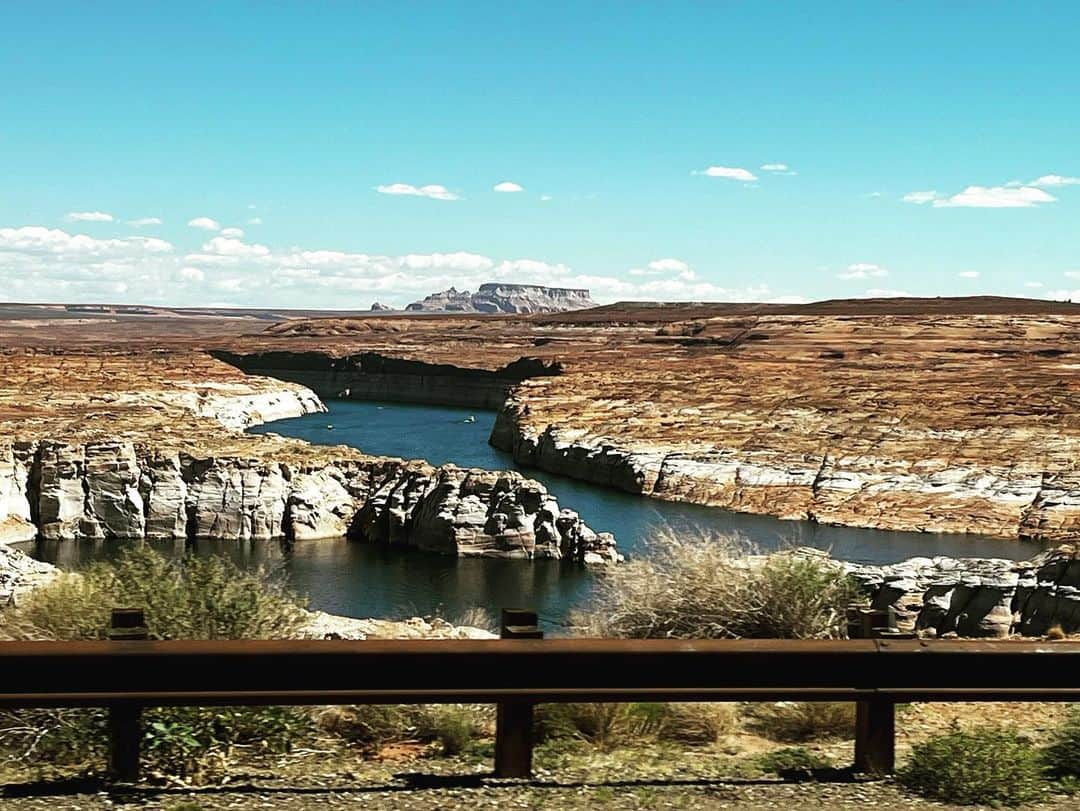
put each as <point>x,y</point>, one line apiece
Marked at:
<point>361,580</point>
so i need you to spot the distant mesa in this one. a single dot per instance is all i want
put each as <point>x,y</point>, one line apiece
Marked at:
<point>505,298</point>
<point>378,307</point>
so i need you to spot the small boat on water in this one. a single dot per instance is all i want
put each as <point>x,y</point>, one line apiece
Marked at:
<point>470,418</point>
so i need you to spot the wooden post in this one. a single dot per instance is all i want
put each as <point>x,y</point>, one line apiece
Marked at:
<point>514,718</point>
<point>125,719</point>
<point>875,718</point>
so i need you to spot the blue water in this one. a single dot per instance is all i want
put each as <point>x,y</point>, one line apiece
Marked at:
<point>441,434</point>
<point>362,580</point>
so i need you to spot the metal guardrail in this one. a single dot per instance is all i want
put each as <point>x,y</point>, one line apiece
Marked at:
<point>517,673</point>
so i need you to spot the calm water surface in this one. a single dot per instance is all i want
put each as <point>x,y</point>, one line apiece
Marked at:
<point>360,580</point>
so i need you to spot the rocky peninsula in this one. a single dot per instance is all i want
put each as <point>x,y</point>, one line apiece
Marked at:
<point>149,444</point>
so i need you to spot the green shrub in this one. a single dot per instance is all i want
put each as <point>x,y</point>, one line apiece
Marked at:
<point>793,761</point>
<point>717,586</point>
<point>697,724</point>
<point>455,726</point>
<point>183,598</point>
<point>605,726</point>
<point>983,765</point>
<point>798,721</point>
<point>1062,755</point>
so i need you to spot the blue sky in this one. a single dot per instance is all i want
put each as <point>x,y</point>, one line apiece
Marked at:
<point>338,153</point>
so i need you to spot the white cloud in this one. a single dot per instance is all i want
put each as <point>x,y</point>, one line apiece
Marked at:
<point>1055,180</point>
<point>787,300</point>
<point>232,233</point>
<point>545,197</point>
<point>508,186</point>
<point>44,264</point>
<point>919,197</point>
<point>434,191</point>
<point>968,274</point>
<point>1033,285</point>
<point>996,197</point>
<point>144,221</point>
<point>863,270</point>
<point>778,169</point>
<point>205,223</point>
<point>187,274</point>
<point>255,221</point>
<point>878,292</point>
<point>89,216</point>
<point>730,172</point>
<point>1073,274</point>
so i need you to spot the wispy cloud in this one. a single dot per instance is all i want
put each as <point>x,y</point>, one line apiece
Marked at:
<point>205,223</point>
<point>863,270</point>
<point>996,197</point>
<point>778,169</point>
<point>255,221</point>
<point>1055,180</point>
<point>432,191</point>
<point>968,274</point>
<point>729,172</point>
<point>232,233</point>
<point>1033,285</point>
<point>508,186</point>
<point>920,197</point>
<point>142,222</point>
<point>879,292</point>
<point>89,216</point>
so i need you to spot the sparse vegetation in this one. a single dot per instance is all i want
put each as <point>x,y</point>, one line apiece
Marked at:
<point>982,765</point>
<point>184,598</point>
<point>799,721</point>
<point>792,761</point>
<point>1062,755</point>
<point>454,727</point>
<point>717,587</point>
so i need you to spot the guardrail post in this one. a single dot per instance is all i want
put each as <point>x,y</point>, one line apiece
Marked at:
<point>514,718</point>
<point>875,718</point>
<point>125,719</point>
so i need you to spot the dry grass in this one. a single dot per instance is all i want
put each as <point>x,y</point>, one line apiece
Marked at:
<point>710,586</point>
<point>798,721</point>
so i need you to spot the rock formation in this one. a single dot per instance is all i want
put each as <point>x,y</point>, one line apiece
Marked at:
<point>972,597</point>
<point>127,456</point>
<point>20,573</point>
<point>505,298</point>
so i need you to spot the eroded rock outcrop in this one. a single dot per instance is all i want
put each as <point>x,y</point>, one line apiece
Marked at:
<point>978,597</point>
<point>123,491</point>
<point>494,297</point>
<point>20,573</point>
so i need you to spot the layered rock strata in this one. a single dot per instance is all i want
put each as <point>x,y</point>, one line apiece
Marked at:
<point>123,447</point>
<point>972,597</point>
<point>119,490</point>
<point>374,376</point>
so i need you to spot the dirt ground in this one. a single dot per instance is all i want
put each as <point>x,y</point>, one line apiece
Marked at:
<point>326,774</point>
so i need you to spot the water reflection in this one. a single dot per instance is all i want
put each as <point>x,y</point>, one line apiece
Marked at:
<point>361,580</point>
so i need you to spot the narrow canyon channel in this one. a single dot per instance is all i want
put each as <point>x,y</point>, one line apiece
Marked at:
<point>363,580</point>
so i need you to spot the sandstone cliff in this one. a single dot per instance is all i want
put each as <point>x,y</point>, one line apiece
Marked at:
<point>124,455</point>
<point>972,597</point>
<point>505,298</point>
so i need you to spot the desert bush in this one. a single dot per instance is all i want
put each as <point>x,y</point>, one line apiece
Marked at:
<point>982,765</point>
<point>793,761</point>
<point>183,598</point>
<point>697,724</point>
<point>798,721</point>
<point>605,726</point>
<point>453,726</point>
<point>716,586</point>
<point>1062,754</point>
